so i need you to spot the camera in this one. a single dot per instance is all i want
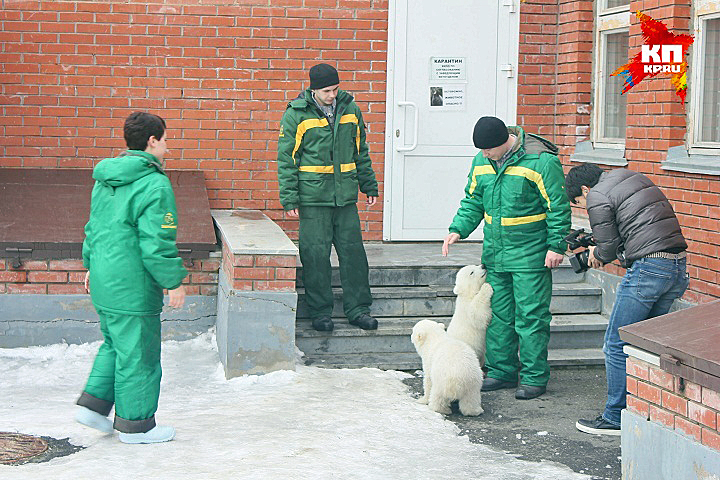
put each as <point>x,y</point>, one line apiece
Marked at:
<point>579,238</point>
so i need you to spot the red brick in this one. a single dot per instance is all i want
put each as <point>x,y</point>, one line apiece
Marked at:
<point>711,439</point>
<point>688,428</point>
<point>192,290</point>
<point>242,285</point>
<point>675,403</point>
<point>285,273</point>
<point>210,265</point>
<point>637,368</point>
<point>13,276</point>
<point>26,288</point>
<point>662,378</point>
<point>66,265</point>
<point>47,277</point>
<point>649,392</point>
<point>701,414</point>
<point>2,264</point>
<point>254,273</point>
<point>632,385</point>
<point>34,265</point>
<point>276,261</point>
<point>276,285</point>
<point>66,289</point>
<point>204,278</point>
<point>661,416</point>
<point>693,391</point>
<point>76,277</point>
<point>711,398</point>
<point>638,406</point>
<point>242,260</point>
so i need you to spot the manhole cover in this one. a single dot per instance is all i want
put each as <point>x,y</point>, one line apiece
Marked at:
<point>18,447</point>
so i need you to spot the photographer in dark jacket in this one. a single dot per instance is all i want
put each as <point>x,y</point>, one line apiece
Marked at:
<point>633,222</point>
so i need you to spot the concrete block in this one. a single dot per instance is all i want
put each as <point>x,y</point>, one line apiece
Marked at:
<point>650,450</point>
<point>255,330</point>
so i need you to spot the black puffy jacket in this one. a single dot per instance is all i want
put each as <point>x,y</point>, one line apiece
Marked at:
<point>630,218</point>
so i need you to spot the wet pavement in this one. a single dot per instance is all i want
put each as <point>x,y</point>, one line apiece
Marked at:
<point>543,429</point>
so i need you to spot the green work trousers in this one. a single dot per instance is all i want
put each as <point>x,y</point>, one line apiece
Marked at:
<point>518,335</point>
<point>320,228</point>
<point>126,371</point>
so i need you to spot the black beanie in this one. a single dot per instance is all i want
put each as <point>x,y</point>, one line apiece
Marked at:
<point>323,75</point>
<point>490,132</point>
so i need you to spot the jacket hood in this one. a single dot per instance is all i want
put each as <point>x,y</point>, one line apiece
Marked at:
<point>127,168</point>
<point>534,144</point>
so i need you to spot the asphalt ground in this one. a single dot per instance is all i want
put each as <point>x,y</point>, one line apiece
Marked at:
<point>543,429</point>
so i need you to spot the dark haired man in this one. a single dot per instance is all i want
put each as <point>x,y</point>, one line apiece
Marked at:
<point>131,256</point>
<point>322,161</point>
<point>516,185</point>
<point>632,221</point>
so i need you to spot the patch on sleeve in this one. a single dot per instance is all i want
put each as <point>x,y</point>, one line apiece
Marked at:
<point>169,221</point>
<point>282,133</point>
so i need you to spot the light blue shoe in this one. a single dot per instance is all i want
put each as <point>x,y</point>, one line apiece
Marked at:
<point>94,420</point>
<point>157,435</point>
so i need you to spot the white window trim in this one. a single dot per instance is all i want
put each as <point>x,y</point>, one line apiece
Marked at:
<point>609,21</point>
<point>703,11</point>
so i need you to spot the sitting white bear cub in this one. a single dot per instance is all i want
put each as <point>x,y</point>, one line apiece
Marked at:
<point>472,308</point>
<point>450,370</point>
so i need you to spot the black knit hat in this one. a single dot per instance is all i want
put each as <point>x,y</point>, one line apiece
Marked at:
<point>490,132</point>
<point>323,75</point>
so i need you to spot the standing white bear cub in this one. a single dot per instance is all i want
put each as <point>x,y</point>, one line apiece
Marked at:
<point>472,308</point>
<point>451,370</point>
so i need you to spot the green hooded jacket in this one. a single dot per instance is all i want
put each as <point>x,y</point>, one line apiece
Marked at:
<point>129,245</point>
<point>319,164</point>
<point>524,205</point>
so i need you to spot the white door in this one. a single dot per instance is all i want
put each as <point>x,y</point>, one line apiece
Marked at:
<point>449,63</point>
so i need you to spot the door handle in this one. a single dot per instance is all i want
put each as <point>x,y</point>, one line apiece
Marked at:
<point>415,126</point>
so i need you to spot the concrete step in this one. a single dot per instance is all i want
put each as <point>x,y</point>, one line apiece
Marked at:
<point>393,335</point>
<point>383,276</point>
<point>410,361</point>
<point>433,301</point>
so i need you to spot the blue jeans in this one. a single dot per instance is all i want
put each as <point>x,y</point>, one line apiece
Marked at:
<point>647,290</point>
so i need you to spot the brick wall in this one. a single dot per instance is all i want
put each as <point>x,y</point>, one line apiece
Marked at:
<point>537,67</point>
<point>220,73</point>
<point>260,272</point>
<point>66,277</point>
<point>656,120</point>
<point>660,397</point>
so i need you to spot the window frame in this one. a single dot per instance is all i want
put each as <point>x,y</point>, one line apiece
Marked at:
<point>696,146</point>
<point>608,21</point>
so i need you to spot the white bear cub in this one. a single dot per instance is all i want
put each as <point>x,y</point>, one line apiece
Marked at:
<point>472,308</point>
<point>451,370</point>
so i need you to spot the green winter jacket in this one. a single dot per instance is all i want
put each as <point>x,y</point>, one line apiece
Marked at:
<point>320,165</point>
<point>129,245</point>
<point>524,205</point>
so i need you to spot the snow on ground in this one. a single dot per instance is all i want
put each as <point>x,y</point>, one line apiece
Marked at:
<point>308,424</point>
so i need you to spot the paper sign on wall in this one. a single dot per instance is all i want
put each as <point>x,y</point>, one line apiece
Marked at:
<point>447,68</point>
<point>447,97</point>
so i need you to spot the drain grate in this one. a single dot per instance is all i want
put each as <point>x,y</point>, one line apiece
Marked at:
<point>18,447</point>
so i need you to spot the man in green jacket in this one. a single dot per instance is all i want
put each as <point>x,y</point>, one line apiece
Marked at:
<point>322,161</point>
<point>516,184</point>
<point>131,256</point>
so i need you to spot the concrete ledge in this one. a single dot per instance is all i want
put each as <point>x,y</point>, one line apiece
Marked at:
<point>251,232</point>
<point>650,450</point>
<point>257,301</point>
<point>27,320</point>
<point>255,330</point>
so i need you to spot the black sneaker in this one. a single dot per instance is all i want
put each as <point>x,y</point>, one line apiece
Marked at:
<point>599,426</point>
